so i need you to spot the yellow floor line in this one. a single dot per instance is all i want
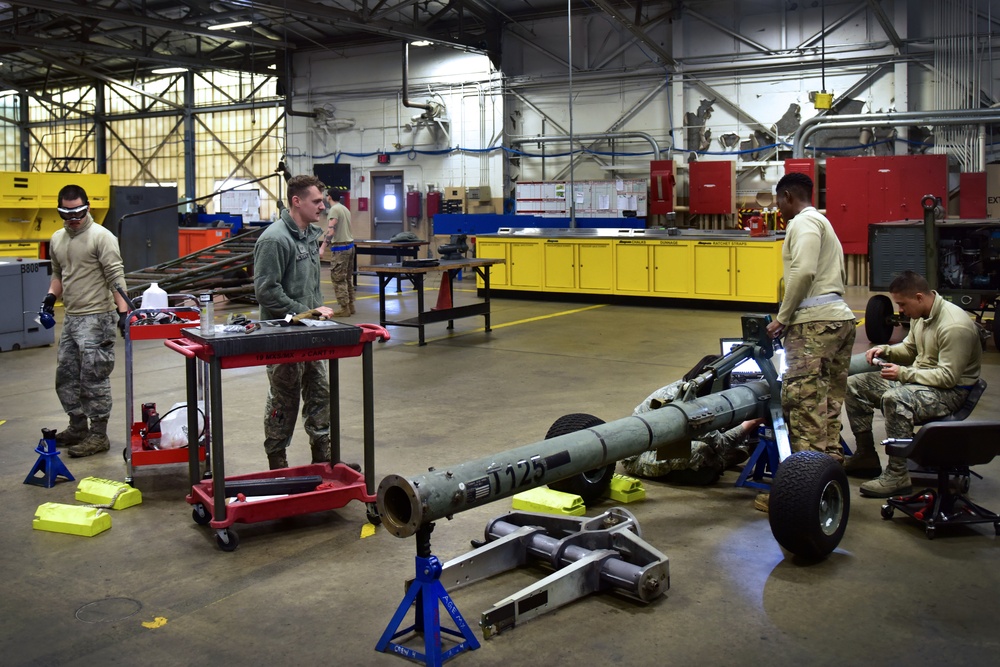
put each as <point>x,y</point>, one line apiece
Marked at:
<point>510,324</point>
<point>2,422</point>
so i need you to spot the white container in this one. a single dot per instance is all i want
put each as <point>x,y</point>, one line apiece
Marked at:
<point>207,313</point>
<point>153,298</point>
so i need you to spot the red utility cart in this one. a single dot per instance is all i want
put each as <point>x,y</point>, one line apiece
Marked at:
<point>336,484</point>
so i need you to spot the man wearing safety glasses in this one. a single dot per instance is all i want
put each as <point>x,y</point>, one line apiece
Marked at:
<point>86,268</point>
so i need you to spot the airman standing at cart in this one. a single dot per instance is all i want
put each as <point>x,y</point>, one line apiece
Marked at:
<point>340,241</point>
<point>86,269</point>
<point>926,376</point>
<point>817,324</point>
<point>287,278</point>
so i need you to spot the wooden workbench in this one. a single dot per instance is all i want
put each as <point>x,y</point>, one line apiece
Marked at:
<point>387,272</point>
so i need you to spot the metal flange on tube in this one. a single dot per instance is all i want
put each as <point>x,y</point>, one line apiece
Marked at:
<point>407,503</point>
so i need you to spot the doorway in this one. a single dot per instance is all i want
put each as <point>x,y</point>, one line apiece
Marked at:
<point>388,200</point>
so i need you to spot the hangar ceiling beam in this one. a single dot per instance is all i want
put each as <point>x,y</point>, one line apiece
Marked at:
<point>886,24</point>
<point>651,44</point>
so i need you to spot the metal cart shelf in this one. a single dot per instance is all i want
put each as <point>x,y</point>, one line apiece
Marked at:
<point>274,345</point>
<point>141,450</point>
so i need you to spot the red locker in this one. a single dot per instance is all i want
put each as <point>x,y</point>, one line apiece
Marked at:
<point>807,166</point>
<point>662,194</point>
<point>972,198</point>
<point>713,186</point>
<point>863,190</point>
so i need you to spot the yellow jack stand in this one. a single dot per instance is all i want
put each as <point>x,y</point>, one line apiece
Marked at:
<point>549,501</point>
<point>48,463</point>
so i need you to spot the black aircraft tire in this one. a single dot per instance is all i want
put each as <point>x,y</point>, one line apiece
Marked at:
<point>590,485</point>
<point>809,504</point>
<point>879,319</point>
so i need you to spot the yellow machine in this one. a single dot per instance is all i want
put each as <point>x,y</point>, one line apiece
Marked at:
<point>28,203</point>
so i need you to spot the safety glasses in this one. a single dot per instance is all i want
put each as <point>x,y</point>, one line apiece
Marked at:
<point>73,214</point>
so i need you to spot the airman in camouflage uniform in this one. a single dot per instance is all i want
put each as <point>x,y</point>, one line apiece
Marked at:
<point>86,266</point>
<point>710,455</point>
<point>818,326</point>
<point>287,281</point>
<point>340,240</point>
<point>926,376</point>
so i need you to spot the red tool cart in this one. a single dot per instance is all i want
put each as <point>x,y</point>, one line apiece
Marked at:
<point>143,436</point>
<point>291,491</point>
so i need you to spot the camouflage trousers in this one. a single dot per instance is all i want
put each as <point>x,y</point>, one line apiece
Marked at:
<point>84,363</point>
<point>341,268</point>
<point>817,355</point>
<point>902,404</point>
<point>288,381</point>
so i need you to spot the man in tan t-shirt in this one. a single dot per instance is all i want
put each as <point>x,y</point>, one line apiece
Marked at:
<point>818,326</point>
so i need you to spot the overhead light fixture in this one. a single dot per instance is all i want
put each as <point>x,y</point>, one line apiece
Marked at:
<point>230,26</point>
<point>169,70</point>
<point>421,42</point>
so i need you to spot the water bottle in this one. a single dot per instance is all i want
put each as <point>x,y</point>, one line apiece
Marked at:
<point>153,298</point>
<point>207,314</point>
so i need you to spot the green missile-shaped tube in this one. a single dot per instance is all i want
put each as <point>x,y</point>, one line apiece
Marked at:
<point>405,504</point>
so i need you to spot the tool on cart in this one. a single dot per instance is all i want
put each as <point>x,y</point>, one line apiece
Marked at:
<point>311,314</point>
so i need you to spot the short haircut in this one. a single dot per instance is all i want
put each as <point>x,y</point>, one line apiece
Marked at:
<point>335,194</point>
<point>797,183</point>
<point>71,192</point>
<point>297,185</point>
<point>909,283</point>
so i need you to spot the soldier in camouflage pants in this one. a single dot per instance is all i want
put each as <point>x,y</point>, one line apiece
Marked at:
<point>286,382</point>
<point>84,363</point>
<point>815,382</point>
<point>341,266</point>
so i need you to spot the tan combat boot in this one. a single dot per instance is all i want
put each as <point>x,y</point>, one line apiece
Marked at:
<point>96,441</point>
<point>74,433</point>
<point>865,462</point>
<point>277,460</point>
<point>351,306</point>
<point>895,481</point>
<point>321,450</point>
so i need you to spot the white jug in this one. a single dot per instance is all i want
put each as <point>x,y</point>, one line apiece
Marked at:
<point>153,298</point>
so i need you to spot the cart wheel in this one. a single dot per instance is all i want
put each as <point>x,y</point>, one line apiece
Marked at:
<point>996,529</point>
<point>371,514</point>
<point>200,515</point>
<point>207,474</point>
<point>589,485</point>
<point>888,511</point>
<point>227,539</point>
<point>879,319</point>
<point>929,531</point>
<point>809,505</point>
<point>125,453</point>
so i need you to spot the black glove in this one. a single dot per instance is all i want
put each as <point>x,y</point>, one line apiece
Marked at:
<point>49,304</point>
<point>122,319</point>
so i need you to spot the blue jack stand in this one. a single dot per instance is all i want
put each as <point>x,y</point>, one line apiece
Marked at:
<point>48,463</point>
<point>763,462</point>
<point>428,592</point>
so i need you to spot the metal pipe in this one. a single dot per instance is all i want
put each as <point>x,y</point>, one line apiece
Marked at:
<point>407,504</point>
<point>428,110</point>
<point>954,117</point>
<point>517,141</point>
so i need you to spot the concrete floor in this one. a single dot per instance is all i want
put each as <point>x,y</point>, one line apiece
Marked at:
<point>155,589</point>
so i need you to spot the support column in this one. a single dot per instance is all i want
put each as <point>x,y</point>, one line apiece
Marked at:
<point>901,75</point>
<point>100,129</point>
<point>24,140</point>
<point>190,183</point>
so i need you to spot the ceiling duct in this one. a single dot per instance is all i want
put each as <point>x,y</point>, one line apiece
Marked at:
<point>431,109</point>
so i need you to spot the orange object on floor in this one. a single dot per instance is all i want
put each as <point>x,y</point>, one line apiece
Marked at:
<point>444,293</point>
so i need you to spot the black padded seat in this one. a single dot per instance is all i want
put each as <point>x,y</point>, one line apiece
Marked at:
<point>947,448</point>
<point>970,404</point>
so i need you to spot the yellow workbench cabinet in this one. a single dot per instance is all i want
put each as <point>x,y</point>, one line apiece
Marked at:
<point>758,272</point>
<point>28,202</point>
<point>490,249</point>
<point>596,261</point>
<point>632,267</point>
<point>560,262</point>
<point>712,270</point>
<point>526,264</point>
<point>673,269</point>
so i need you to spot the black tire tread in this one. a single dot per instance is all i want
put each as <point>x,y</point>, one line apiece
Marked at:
<point>878,319</point>
<point>794,501</point>
<point>579,484</point>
